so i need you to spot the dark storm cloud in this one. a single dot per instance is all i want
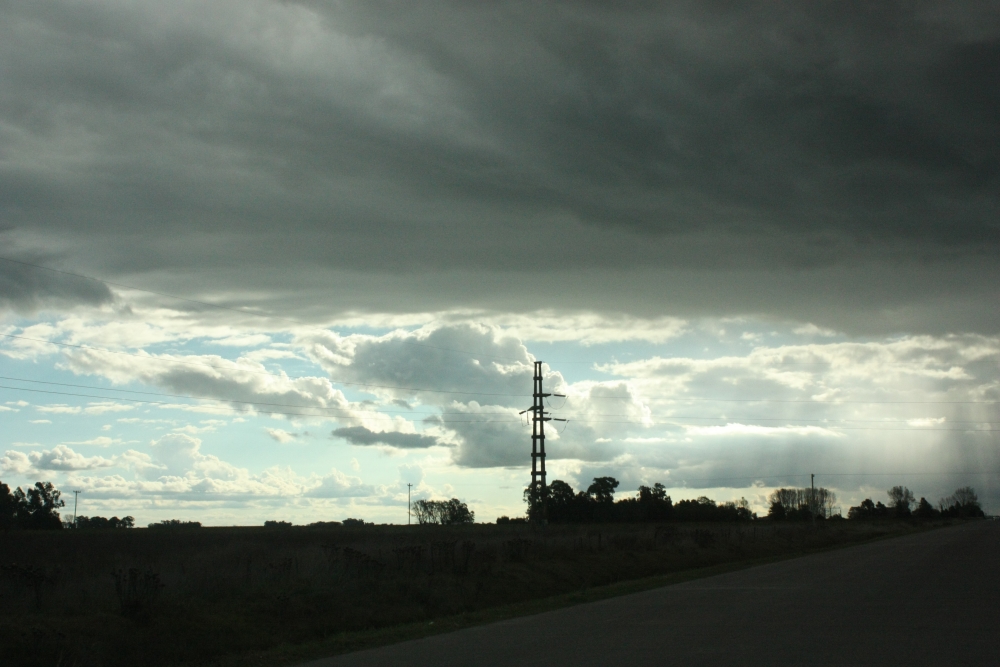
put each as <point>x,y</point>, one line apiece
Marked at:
<point>359,435</point>
<point>719,159</point>
<point>26,288</point>
<point>871,121</point>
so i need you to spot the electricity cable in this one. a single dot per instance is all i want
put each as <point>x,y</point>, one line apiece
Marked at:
<point>247,370</point>
<point>575,416</point>
<point>209,304</point>
<point>241,311</point>
<point>272,412</point>
<point>231,400</point>
<point>479,393</point>
<point>436,419</point>
<point>687,480</point>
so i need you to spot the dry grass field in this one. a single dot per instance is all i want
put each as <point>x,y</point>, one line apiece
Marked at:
<point>197,596</point>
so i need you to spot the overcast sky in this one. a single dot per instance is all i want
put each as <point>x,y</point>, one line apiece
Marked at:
<point>752,241</point>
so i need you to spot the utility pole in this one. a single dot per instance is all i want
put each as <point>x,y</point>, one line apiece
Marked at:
<point>408,487</point>
<point>76,502</point>
<point>539,488</point>
<point>812,496</point>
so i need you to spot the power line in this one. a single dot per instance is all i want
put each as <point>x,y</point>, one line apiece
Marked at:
<point>139,289</point>
<point>686,480</point>
<point>681,399</point>
<point>581,417</point>
<point>841,428</point>
<point>246,370</point>
<point>209,304</point>
<point>471,421</point>
<point>223,399</point>
<point>148,357</point>
<point>906,474</point>
<point>905,420</point>
<point>273,412</point>
<point>576,416</point>
<point>474,355</point>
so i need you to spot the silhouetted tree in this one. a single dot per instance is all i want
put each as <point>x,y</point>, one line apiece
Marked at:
<point>653,503</point>
<point>823,501</point>
<point>277,524</point>
<point>36,509</point>
<point>458,512</point>
<point>444,512</point>
<point>925,510</point>
<point>8,507</point>
<point>561,502</point>
<point>868,510</point>
<point>423,511</point>
<point>742,510</point>
<point>174,524</point>
<point>706,509</point>
<point>602,489</point>
<point>900,499</point>
<point>702,509</point>
<point>356,523</point>
<point>99,522</point>
<point>964,504</point>
<point>602,493</point>
<point>533,498</point>
<point>788,499</point>
<point>799,504</point>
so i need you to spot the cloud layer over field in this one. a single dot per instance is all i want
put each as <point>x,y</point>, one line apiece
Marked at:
<point>751,242</point>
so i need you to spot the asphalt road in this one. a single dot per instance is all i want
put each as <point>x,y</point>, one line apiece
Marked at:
<point>927,599</point>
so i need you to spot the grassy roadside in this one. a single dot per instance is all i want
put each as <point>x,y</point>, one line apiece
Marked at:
<point>258,596</point>
<point>348,642</point>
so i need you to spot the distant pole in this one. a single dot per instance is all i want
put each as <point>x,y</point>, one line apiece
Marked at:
<point>408,487</point>
<point>76,503</point>
<point>812,496</point>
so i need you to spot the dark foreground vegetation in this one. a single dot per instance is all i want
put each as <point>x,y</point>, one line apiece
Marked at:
<point>185,594</point>
<point>597,504</point>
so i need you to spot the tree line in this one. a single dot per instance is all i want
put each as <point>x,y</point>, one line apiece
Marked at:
<point>963,504</point>
<point>103,523</point>
<point>597,504</point>
<point>37,508</point>
<point>651,503</point>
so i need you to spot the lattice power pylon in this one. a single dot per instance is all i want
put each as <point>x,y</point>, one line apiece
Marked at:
<point>539,487</point>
